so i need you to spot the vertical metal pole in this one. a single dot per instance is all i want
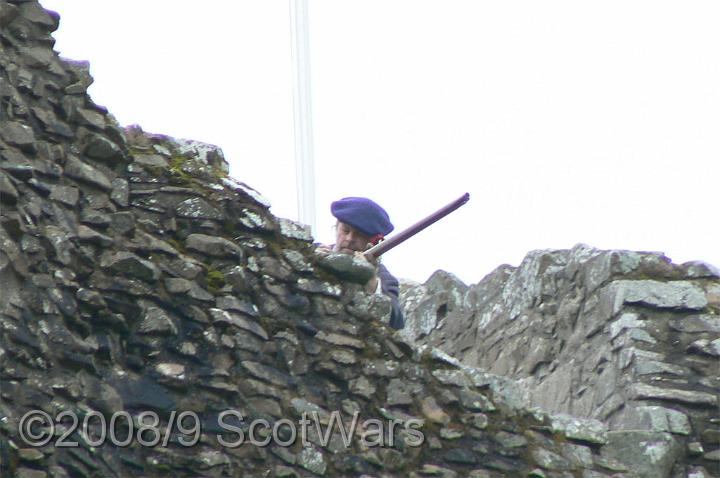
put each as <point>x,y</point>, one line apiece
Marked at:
<point>302,100</point>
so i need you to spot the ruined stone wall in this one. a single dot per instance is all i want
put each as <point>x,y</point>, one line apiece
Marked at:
<point>624,337</point>
<point>136,277</point>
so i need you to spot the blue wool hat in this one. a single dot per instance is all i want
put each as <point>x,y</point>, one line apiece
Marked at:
<point>362,214</point>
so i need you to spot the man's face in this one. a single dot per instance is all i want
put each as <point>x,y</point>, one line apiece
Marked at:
<point>350,240</point>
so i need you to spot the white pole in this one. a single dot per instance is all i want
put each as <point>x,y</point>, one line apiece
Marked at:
<point>302,100</point>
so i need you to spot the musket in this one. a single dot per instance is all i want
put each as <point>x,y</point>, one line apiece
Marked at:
<point>382,247</point>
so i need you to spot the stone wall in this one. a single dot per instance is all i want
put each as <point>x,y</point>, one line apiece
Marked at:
<point>138,278</point>
<point>624,337</point>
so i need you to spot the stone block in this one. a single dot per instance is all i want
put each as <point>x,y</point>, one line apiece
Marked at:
<point>682,295</point>
<point>695,324</point>
<point>644,391</point>
<point>657,419</point>
<point>581,429</point>
<point>647,454</point>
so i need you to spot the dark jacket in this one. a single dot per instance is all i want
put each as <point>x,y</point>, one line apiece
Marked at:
<point>391,288</point>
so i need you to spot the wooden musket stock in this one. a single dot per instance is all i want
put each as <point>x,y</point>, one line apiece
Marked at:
<point>382,247</point>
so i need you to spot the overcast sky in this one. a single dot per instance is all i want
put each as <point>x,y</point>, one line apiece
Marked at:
<point>567,121</point>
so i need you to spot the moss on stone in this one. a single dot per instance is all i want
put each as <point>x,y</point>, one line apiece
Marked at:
<point>177,245</point>
<point>218,173</point>
<point>215,280</point>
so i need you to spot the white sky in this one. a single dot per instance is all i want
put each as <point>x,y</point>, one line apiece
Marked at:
<point>566,121</point>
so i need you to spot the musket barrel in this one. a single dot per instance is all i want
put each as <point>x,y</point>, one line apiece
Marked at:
<point>384,246</point>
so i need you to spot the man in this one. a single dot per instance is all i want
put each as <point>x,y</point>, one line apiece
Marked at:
<point>362,223</point>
